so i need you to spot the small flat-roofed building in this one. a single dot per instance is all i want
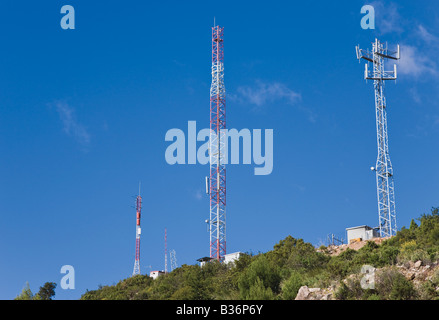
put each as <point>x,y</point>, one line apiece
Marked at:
<point>361,233</point>
<point>231,257</point>
<point>156,274</point>
<point>204,260</point>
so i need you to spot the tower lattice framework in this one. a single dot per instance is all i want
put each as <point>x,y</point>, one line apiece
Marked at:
<point>383,169</point>
<point>217,145</point>
<point>136,269</point>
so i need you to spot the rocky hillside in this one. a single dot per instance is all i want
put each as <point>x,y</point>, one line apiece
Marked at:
<point>334,250</point>
<point>402,267</point>
<point>420,276</point>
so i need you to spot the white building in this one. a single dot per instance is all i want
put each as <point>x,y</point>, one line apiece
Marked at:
<point>362,233</point>
<point>204,260</point>
<point>156,274</point>
<point>231,257</point>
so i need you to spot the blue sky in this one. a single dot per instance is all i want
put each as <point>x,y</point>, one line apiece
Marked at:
<point>84,113</point>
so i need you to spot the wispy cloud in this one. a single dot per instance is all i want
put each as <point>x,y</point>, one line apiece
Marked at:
<point>417,58</point>
<point>415,63</point>
<point>415,95</point>
<point>263,93</point>
<point>388,19</point>
<point>198,194</point>
<point>70,125</point>
<point>426,36</point>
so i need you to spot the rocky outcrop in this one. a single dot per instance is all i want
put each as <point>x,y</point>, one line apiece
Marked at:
<point>306,293</point>
<point>336,250</point>
<point>417,272</point>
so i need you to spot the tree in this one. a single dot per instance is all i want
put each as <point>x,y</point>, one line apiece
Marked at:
<point>259,292</point>
<point>291,287</point>
<point>26,293</point>
<point>47,291</point>
<point>392,285</point>
<point>413,225</point>
<point>260,273</point>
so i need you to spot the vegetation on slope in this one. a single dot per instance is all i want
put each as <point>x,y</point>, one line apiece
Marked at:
<point>279,273</point>
<point>46,292</point>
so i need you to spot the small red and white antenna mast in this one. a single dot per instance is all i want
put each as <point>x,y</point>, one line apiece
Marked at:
<point>136,270</point>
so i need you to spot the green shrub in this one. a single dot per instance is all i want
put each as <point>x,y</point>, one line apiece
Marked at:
<point>291,287</point>
<point>260,270</point>
<point>392,285</point>
<point>258,291</point>
<point>343,292</point>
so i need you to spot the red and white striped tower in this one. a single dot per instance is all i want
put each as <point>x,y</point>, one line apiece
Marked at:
<point>138,231</point>
<point>217,152</point>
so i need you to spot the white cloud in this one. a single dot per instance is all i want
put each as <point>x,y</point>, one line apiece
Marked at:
<point>70,125</point>
<point>198,195</point>
<point>427,36</point>
<point>388,19</point>
<point>264,93</point>
<point>261,94</point>
<point>415,63</point>
<point>415,95</point>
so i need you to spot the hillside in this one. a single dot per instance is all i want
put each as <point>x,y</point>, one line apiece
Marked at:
<point>406,267</point>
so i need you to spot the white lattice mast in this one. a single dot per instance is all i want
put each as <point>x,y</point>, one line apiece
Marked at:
<point>136,269</point>
<point>173,258</point>
<point>166,252</point>
<point>384,169</point>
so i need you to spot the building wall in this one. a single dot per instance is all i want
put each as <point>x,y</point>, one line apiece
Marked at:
<point>231,257</point>
<point>155,274</point>
<point>356,233</point>
<point>365,233</point>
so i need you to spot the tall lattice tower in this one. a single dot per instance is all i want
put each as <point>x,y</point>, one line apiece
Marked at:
<point>384,170</point>
<point>166,252</point>
<point>173,258</point>
<point>138,231</point>
<point>217,145</point>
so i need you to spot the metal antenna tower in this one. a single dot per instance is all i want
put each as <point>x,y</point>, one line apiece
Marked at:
<point>384,170</point>
<point>173,258</point>
<point>166,252</point>
<point>332,240</point>
<point>138,231</point>
<point>217,187</point>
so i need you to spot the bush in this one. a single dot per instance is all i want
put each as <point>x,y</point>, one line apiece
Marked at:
<point>343,292</point>
<point>258,291</point>
<point>392,285</point>
<point>291,287</point>
<point>260,270</point>
<point>340,266</point>
<point>351,289</point>
<point>410,251</point>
